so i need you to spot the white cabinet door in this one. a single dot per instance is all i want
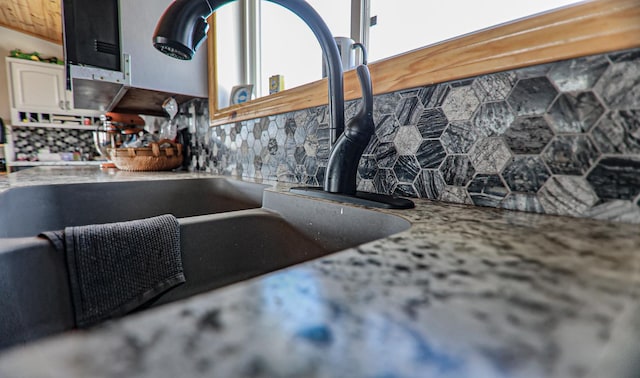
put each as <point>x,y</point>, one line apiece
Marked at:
<point>38,86</point>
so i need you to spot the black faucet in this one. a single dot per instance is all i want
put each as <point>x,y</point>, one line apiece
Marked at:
<point>183,27</point>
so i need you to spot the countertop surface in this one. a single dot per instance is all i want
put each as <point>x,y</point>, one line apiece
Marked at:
<point>465,292</point>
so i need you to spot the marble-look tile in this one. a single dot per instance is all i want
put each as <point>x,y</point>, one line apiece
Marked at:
<point>430,154</point>
<point>457,170</point>
<point>487,190</point>
<point>532,96</point>
<point>571,155</point>
<point>489,155</point>
<point>386,128</point>
<point>493,118</point>
<point>386,155</point>
<point>385,181</point>
<point>618,132</point>
<point>616,178</point>
<point>406,168</point>
<point>578,74</point>
<point>367,167</point>
<point>528,135</point>
<point>430,184</point>
<point>459,137</point>
<point>496,87</point>
<point>433,96</point>
<point>525,174</point>
<point>405,190</point>
<point>522,202</point>
<point>408,111</point>
<point>385,104</point>
<point>533,71</point>
<point>432,123</point>
<point>461,103</point>
<point>407,140</point>
<point>617,210</point>
<point>567,195</point>
<point>619,86</point>
<point>575,112</point>
<point>624,56</point>
<point>456,194</point>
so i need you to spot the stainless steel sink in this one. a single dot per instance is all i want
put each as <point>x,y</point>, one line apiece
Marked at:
<point>218,248</point>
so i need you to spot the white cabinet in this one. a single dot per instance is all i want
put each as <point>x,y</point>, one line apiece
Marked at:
<point>37,86</point>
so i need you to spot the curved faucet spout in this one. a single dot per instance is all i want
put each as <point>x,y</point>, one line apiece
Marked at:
<point>180,30</point>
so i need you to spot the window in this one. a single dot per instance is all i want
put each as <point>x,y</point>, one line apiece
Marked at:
<point>404,25</point>
<point>258,39</point>
<point>289,47</point>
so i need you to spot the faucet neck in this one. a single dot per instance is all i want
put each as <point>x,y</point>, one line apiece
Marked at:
<point>303,10</point>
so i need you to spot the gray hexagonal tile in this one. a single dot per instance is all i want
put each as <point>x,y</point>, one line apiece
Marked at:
<point>385,181</point>
<point>386,155</point>
<point>290,127</point>
<point>407,140</point>
<point>618,132</point>
<point>367,167</point>
<point>619,86</point>
<point>272,129</point>
<point>571,155</point>
<point>532,96</point>
<point>430,154</point>
<point>244,133</point>
<point>429,184</point>
<point>405,190</point>
<point>487,190</point>
<point>459,137</point>
<point>460,103</point>
<point>489,155</point>
<point>432,123</point>
<point>385,104</point>
<point>522,202</point>
<point>298,154</point>
<point>625,55</point>
<point>617,211</point>
<point>533,71</point>
<point>281,136</point>
<point>525,174</point>
<point>433,96</point>
<point>575,112</point>
<point>578,74</point>
<point>406,168</point>
<point>497,86</point>
<point>456,194</point>
<point>616,178</point>
<point>409,111</point>
<point>386,128</point>
<point>457,170</point>
<point>567,195</point>
<point>493,118</point>
<point>311,145</point>
<point>528,135</point>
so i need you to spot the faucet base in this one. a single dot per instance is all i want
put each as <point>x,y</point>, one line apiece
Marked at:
<point>382,201</point>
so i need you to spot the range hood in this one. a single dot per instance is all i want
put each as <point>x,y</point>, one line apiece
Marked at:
<point>112,64</point>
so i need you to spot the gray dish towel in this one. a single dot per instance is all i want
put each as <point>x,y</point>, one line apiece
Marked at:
<point>117,267</point>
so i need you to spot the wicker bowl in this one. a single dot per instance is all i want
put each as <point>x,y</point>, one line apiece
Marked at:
<point>152,158</point>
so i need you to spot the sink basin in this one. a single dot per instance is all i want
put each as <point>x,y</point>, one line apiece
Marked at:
<point>218,248</point>
<point>30,210</point>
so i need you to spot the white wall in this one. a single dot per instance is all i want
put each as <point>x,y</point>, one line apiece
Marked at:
<point>10,40</point>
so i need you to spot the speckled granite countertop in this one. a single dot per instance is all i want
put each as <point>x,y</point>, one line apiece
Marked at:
<point>466,292</point>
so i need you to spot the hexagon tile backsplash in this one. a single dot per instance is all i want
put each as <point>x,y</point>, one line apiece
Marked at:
<point>560,138</point>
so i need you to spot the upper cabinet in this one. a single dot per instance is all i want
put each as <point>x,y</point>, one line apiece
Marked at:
<point>37,86</point>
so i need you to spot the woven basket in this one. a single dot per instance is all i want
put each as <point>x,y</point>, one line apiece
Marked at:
<point>151,158</point>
